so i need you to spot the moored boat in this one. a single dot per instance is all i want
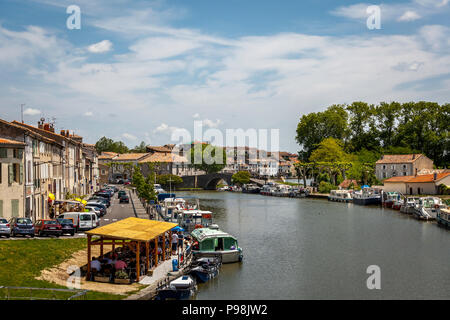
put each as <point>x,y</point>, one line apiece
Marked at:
<point>216,243</point>
<point>443,217</point>
<point>250,188</point>
<point>367,196</point>
<point>341,195</point>
<point>179,289</point>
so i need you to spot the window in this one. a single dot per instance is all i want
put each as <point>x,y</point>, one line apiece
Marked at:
<point>3,153</point>
<point>404,173</point>
<point>384,175</point>
<point>15,207</point>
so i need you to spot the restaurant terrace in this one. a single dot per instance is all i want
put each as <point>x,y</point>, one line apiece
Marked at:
<point>134,233</point>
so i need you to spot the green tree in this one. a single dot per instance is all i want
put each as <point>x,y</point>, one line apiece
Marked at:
<point>167,180</point>
<point>109,145</point>
<point>241,177</point>
<point>315,127</point>
<point>329,150</point>
<point>141,148</point>
<point>362,125</point>
<point>208,158</point>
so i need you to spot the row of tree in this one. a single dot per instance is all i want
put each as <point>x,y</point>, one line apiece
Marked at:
<point>368,131</point>
<point>105,144</point>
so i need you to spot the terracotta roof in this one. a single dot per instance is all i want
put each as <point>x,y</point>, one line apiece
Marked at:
<point>129,156</point>
<point>107,155</point>
<point>347,182</point>
<point>11,142</point>
<point>163,157</point>
<point>399,158</point>
<point>41,131</point>
<point>158,149</point>
<point>429,177</point>
<point>17,125</point>
<point>418,178</point>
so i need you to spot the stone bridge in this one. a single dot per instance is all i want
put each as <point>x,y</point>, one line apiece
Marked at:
<point>210,181</point>
<point>205,181</point>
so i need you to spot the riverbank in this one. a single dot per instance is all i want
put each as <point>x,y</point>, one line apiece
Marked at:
<point>26,263</point>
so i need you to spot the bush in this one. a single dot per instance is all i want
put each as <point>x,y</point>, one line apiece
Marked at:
<point>326,187</point>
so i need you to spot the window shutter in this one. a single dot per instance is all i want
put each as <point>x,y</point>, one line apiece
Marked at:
<point>3,153</point>
<point>10,174</point>
<point>1,208</point>
<point>20,153</point>
<point>21,174</point>
<point>15,208</point>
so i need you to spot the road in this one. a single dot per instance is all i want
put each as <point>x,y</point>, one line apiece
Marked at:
<point>117,211</point>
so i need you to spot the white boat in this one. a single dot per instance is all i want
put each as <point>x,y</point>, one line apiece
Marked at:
<point>443,217</point>
<point>367,196</point>
<point>216,243</point>
<point>408,205</point>
<point>428,207</point>
<point>341,195</point>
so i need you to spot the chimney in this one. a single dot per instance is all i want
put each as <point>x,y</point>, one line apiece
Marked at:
<point>63,133</point>
<point>414,156</point>
<point>416,172</point>
<point>46,127</point>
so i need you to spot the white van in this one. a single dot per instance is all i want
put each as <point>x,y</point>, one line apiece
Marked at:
<point>82,220</point>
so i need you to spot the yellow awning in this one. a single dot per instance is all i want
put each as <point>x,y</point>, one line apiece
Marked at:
<point>133,229</point>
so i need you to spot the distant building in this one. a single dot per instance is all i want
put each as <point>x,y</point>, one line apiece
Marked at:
<point>347,183</point>
<point>417,185</point>
<point>103,174</point>
<point>396,165</point>
<point>11,178</point>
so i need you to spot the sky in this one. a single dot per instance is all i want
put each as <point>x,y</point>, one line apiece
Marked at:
<point>139,70</point>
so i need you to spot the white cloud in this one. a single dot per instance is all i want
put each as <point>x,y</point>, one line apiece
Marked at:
<point>409,16</point>
<point>129,136</point>
<point>100,47</point>
<point>88,114</point>
<point>211,123</point>
<point>31,112</point>
<point>196,116</point>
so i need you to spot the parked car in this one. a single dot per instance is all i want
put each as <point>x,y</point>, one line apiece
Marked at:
<point>119,181</point>
<point>67,226</point>
<point>100,206</point>
<point>103,194</point>
<point>105,201</point>
<point>96,210</point>
<point>81,220</point>
<point>121,193</point>
<point>22,226</point>
<point>124,198</point>
<point>47,227</point>
<point>5,229</point>
<point>126,183</point>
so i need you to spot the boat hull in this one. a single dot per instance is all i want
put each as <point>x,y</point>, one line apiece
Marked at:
<point>367,201</point>
<point>229,256</point>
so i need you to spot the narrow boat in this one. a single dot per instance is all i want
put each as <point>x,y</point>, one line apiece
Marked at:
<point>216,243</point>
<point>443,217</point>
<point>299,193</point>
<point>341,195</point>
<point>179,289</point>
<point>408,204</point>
<point>367,196</point>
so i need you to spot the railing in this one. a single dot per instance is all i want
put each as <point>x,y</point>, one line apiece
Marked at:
<point>26,293</point>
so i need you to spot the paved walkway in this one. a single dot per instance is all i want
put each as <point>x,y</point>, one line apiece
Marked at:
<point>140,210</point>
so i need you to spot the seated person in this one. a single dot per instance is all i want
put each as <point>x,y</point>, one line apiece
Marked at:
<point>120,265</point>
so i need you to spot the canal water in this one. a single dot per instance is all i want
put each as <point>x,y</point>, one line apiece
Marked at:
<point>315,249</point>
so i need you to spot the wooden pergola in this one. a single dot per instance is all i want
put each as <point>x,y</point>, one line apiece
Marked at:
<point>132,231</point>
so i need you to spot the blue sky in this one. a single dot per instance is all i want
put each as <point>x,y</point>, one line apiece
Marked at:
<point>138,70</point>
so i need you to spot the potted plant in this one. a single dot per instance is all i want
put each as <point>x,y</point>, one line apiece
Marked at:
<point>122,277</point>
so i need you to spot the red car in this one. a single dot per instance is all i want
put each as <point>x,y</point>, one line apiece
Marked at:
<point>48,227</point>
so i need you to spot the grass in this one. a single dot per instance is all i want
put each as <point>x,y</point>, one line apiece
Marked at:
<point>23,260</point>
